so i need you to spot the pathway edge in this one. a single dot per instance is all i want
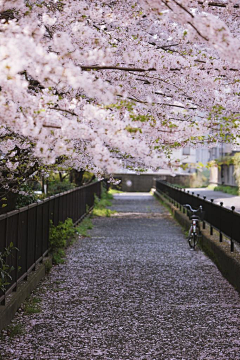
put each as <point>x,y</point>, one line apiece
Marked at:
<point>8,311</point>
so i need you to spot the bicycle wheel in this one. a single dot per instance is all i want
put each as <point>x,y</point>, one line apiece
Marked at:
<point>192,240</point>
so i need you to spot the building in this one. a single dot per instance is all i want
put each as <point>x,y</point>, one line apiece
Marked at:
<point>191,159</point>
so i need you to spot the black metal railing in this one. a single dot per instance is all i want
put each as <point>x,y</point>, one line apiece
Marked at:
<point>224,220</point>
<point>28,229</point>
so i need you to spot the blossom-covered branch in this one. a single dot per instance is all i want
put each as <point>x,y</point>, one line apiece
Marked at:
<point>108,85</point>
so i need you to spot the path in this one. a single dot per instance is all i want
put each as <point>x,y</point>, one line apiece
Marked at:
<point>132,291</point>
<point>218,196</point>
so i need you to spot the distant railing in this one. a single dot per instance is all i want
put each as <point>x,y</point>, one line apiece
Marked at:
<point>224,220</point>
<point>28,229</point>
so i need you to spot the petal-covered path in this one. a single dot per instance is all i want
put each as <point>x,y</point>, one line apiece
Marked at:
<point>132,291</point>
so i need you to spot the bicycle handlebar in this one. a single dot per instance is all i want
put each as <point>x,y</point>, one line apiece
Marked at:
<point>191,209</point>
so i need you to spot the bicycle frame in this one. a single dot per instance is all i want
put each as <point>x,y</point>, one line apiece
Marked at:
<point>194,231</point>
<point>194,226</point>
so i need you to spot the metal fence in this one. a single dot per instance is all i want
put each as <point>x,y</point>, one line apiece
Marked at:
<point>226,221</point>
<point>28,229</point>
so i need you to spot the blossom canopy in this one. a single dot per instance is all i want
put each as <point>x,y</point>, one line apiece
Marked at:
<point>116,84</point>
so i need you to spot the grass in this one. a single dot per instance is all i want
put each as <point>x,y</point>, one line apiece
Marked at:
<point>60,289</point>
<point>102,212</point>
<point>164,204</point>
<point>114,191</point>
<point>100,209</point>
<point>58,282</point>
<point>29,310</point>
<point>15,330</point>
<point>48,266</point>
<point>84,226</point>
<point>211,187</point>
<point>233,190</point>
<point>32,306</point>
<point>100,205</point>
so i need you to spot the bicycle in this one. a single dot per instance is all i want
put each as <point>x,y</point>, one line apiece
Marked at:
<point>194,231</point>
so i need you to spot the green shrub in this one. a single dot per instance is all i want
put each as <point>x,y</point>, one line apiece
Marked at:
<point>25,199</point>
<point>58,236</point>
<point>56,187</point>
<point>233,190</point>
<point>101,204</point>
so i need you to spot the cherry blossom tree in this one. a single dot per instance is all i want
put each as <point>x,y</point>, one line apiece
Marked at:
<point>115,84</point>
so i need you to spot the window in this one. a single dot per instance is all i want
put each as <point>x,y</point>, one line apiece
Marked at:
<point>186,151</point>
<point>214,152</point>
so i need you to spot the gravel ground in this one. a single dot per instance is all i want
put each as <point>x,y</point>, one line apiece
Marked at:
<point>132,291</point>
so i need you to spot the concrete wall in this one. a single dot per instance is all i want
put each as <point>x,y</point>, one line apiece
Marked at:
<point>144,182</point>
<point>25,288</point>
<point>213,175</point>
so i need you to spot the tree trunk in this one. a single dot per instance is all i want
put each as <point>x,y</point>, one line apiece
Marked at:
<point>76,177</point>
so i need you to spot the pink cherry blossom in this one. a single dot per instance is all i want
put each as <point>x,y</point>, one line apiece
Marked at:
<point>117,84</point>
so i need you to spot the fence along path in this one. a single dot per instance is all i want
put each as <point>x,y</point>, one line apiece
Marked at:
<point>132,291</point>
<point>28,229</point>
<point>218,197</point>
<point>224,220</point>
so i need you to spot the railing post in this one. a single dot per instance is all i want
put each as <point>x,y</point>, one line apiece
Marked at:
<point>211,228</point>
<point>35,236</point>
<point>180,199</point>
<point>220,227</point>
<point>73,200</point>
<point>58,209</point>
<point>42,206</point>
<point>204,224</point>
<point>3,302</point>
<point>27,244</point>
<point>232,243</point>
<point>17,246</point>
<point>184,190</point>
<point>48,224</point>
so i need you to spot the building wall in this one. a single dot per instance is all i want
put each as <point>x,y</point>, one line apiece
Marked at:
<point>192,157</point>
<point>186,156</point>
<point>145,182</point>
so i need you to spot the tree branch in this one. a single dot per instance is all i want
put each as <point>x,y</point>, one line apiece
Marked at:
<point>96,67</point>
<point>51,126</point>
<point>198,32</point>
<point>64,110</point>
<point>183,8</point>
<point>213,3</point>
